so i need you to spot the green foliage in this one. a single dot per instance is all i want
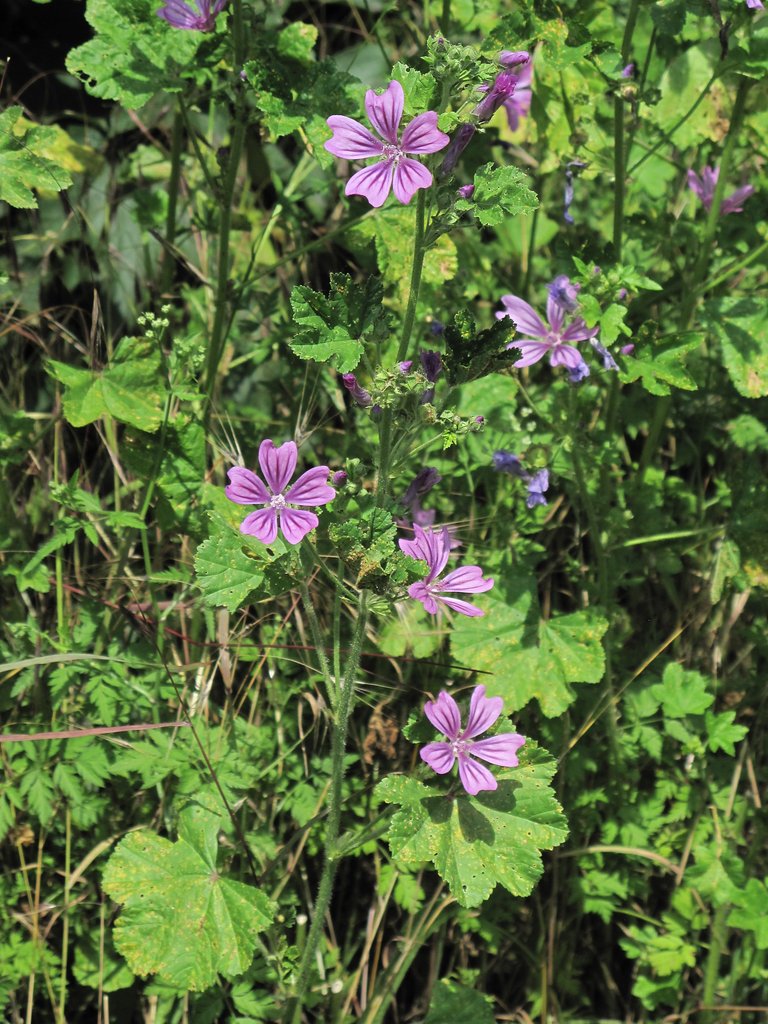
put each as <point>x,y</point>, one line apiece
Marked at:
<point>454,1002</point>
<point>472,354</point>
<point>741,327</point>
<point>475,843</point>
<point>25,160</point>
<point>133,54</point>
<point>338,326</point>
<point>499,192</point>
<point>182,919</point>
<point>230,567</point>
<point>662,369</point>
<point>525,657</point>
<point>128,389</point>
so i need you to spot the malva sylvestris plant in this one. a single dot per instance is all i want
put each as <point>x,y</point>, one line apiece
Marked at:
<point>201,18</point>
<point>704,187</point>
<point>394,170</point>
<point>278,464</point>
<point>433,546</point>
<point>555,338</point>
<point>461,745</point>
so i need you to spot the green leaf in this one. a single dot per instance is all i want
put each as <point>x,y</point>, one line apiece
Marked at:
<point>751,912</point>
<point>661,370</point>
<point>500,192</point>
<point>682,693</point>
<point>130,388</point>
<point>297,41</point>
<point>418,87</point>
<point>411,630</point>
<point>478,842</point>
<point>524,658</point>
<point>472,354</point>
<point>681,86</point>
<point>133,54</point>
<point>459,1005</point>
<point>338,325</point>
<point>227,575</point>
<point>181,919</point>
<point>24,160</point>
<point>741,326</point>
<point>722,734</point>
<point>727,564</point>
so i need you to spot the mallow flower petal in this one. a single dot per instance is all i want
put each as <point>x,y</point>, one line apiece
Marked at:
<point>245,488</point>
<point>373,182</point>
<point>527,320</point>
<point>462,607</point>
<point>566,355</point>
<point>468,579</point>
<point>410,176</point>
<point>278,463</point>
<point>351,140</point>
<point>443,713</point>
<point>423,136</point>
<point>384,112</point>
<point>733,202</point>
<point>532,351</point>
<point>261,524</point>
<point>296,524</point>
<point>311,488</point>
<point>475,777</point>
<point>420,592</point>
<point>501,749</point>
<point>577,330</point>
<point>439,757</point>
<point>438,546</point>
<point>483,712</point>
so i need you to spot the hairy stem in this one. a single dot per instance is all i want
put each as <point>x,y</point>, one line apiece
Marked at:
<point>619,154</point>
<point>385,434</point>
<point>177,137</point>
<point>338,747</point>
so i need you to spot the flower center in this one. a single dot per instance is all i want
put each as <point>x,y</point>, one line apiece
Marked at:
<point>460,746</point>
<point>277,502</point>
<point>392,152</point>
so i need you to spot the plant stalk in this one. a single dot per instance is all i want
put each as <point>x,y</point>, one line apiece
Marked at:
<point>619,155</point>
<point>335,798</point>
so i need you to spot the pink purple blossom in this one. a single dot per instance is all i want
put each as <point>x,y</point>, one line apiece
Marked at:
<point>201,17</point>
<point>537,483</point>
<point>518,105</point>
<point>360,395</point>
<point>755,5</point>
<point>555,338</point>
<point>393,170</point>
<point>434,548</point>
<point>460,744</point>
<point>278,464</point>
<point>704,187</point>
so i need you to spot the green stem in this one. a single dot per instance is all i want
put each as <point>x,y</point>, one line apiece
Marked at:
<point>335,799</point>
<point>177,137</point>
<point>445,17</point>
<point>699,271</point>
<point>220,320</point>
<point>385,434</point>
<point>317,640</point>
<point>717,940</point>
<point>619,155</point>
<point>61,1017</point>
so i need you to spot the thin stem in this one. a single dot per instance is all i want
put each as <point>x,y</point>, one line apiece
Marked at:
<point>385,435</point>
<point>619,155</point>
<point>65,915</point>
<point>717,941</point>
<point>699,271</point>
<point>317,640</point>
<point>177,137</point>
<point>220,321</point>
<point>335,799</point>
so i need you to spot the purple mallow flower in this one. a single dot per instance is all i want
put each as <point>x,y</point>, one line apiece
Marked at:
<point>538,485</point>
<point>466,191</point>
<point>755,5</point>
<point>565,292</point>
<point>628,71</point>
<point>201,17</point>
<point>434,548</point>
<point>360,395</point>
<point>536,482</point>
<point>393,168</point>
<point>518,105</point>
<point>461,744</point>
<point>278,465</point>
<point>553,339</point>
<point>704,187</point>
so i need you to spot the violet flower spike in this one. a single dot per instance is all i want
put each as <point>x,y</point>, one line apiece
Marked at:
<point>434,547</point>
<point>538,485</point>
<point>461,745</point>
<point>200,18</point>
<point>704,188</point>
<point>518,105</point>
<point>278,465</point>
<point>554,339</point>
<point>360,395</point>
<point>393,169</point>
